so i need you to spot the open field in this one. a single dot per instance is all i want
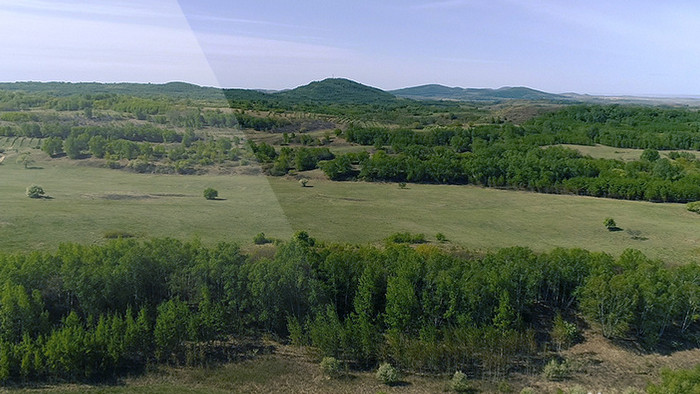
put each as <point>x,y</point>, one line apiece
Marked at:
<point>88,201</point>
<point>611,152</point>
<point>481,218</point>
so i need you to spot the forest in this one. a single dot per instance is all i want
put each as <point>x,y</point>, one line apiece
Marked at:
<point>91,312</point>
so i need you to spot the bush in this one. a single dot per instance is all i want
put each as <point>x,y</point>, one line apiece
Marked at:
<point>440,237</point>
<point>406,238</point>
<point>610,224</point>
<point>35,191</point>
<point>679,381</point>
<point>563,333</point>
<point>387,374</point>
<point>402,185</point>
<point>693,206</point>
<point>210,194</point>
<point>555,370</point>
<point>460,382</point>
<point>260,239</point>
<point>303,182</point>
<point>331,367</point>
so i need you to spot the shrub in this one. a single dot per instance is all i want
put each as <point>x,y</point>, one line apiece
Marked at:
<point>387,374</point>
<point>693,206</point>
<point>460,382</point>
<point>440,237</point>
<point>610,224</point>
<point>563,333</point>
<point>578,389</point>
<point>210,194</point>
<point>35,191</point>
<point>679,381</point>
<point>527,390</point>
<point>260,239</point>
<point>402,185</point>
<point>303,182</point>
<point>406,238</point>
<point>555,370</point>
<point>117,234</point>
<point>331,367</point>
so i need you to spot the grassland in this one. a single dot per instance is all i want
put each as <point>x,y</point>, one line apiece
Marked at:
<point>609,152</point>
<point>87,201</point>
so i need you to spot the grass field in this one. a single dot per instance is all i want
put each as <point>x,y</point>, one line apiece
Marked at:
<point>88,201</point>
<point>610,152</point>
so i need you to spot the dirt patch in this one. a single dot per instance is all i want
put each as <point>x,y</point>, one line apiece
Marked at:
<point>169,195</point>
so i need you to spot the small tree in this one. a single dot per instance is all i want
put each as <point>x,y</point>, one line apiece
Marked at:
<point>35,191</point>
<point>610,224</point>
<point>402,185</point>
<point>260,239</point>
<point>303,182</point>
<point>650,155</point>
<point>210,193</point>
<point>26,159</point>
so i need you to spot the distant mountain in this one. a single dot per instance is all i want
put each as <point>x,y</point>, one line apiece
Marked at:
<point>327,91</point>
<point>177,89</point>
<point>440,92</point>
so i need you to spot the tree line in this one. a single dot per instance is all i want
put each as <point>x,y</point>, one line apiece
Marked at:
<point>97,311</point>
<point>511,156</point>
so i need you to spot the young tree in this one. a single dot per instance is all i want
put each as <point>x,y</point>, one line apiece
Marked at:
<point>210,193</point>
<point>52,146</point>
<point>25,159</point>
<point>610,224</point>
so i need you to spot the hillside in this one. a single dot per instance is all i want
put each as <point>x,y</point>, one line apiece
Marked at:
<point>436,92</point>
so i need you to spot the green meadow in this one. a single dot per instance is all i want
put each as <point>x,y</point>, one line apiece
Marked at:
<point>87,201</point>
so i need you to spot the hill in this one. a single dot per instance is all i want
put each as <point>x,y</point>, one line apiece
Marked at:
<point>438,92</point>
<point>327,91</point>
<point>338,90</point>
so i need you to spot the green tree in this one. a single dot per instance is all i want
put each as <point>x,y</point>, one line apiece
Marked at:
<point>35,191</point>
<point>53,146</point>
<point>25,159</point>
<point>610,224</point>
<point>650,155</point>
<point>210,193</point>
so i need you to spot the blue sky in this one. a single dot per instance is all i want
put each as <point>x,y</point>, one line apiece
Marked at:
<point>596,47</point>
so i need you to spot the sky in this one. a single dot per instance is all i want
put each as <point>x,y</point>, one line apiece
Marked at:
<point>596,47</point>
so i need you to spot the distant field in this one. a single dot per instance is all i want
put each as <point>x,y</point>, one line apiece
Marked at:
<point>610,152</point>
<point>88,201</point>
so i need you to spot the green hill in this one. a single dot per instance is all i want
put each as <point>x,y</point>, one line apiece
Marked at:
<point>440,92</point>
<point>327,91</point>
<point>337,90</point>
